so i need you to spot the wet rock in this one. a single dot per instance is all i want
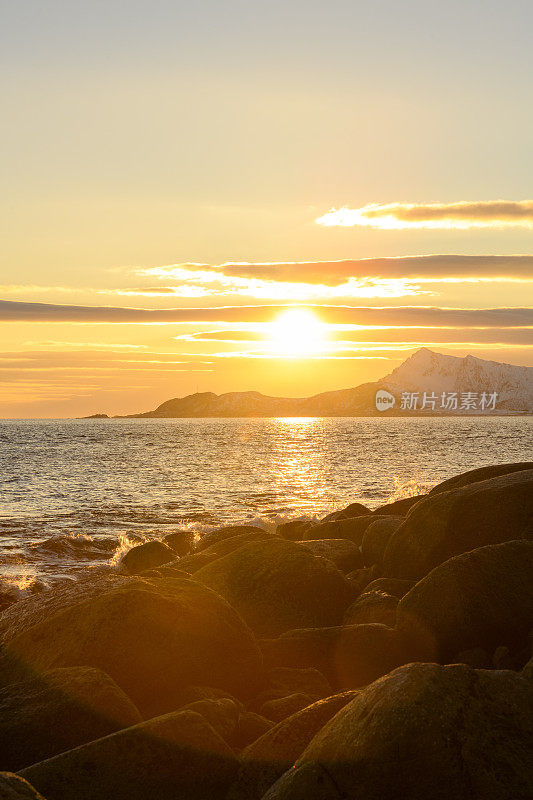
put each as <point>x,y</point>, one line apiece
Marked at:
<point>227,532</point>
<point>180,541</point>
<point>195,561</point>
<point>399,508</point>
<point>480,474</point>
<point>459,520</point>
<point>283,707</point>
<point>376,539</point>
<point>264,761</point>
<point>191,562</point>
<point>154,637</point>
<point>342,552</point>
<point>351,528</point>
<point>479,599</point>
<point>13,787</point>
<point>351,511</point>
<point>147,556</point>
<point>277,585</point>
<point>294,529</point>
<point>372,606</point>
<point>57,711</point>
<point>178,755</point>
<point>36,608</point>
<point>427,731</point>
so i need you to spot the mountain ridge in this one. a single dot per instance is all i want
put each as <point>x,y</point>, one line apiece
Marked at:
<point>425,371</point>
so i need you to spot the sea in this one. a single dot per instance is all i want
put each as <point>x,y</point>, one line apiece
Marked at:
<point>77,494</point>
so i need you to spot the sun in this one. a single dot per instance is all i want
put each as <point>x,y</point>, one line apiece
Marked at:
<point>297,333</point>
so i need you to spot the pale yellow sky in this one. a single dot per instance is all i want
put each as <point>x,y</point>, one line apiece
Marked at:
<point>151,149</point>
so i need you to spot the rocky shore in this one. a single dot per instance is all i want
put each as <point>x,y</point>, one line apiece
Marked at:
<point>372,655</point>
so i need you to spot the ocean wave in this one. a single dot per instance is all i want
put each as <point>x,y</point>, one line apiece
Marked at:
<point>410,488</point>
<point>16,587</point>
<point>76,546</point>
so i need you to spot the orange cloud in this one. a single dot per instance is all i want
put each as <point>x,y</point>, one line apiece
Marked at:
<point>460,216</point>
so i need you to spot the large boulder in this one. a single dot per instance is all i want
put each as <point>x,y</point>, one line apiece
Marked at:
<point>480,474</point>
<point>351,511</point>
<point>227,532</point>
<point>180,541</point>
<point>147,556</point>
<point>178,755</point>
<point>284,681</point>
<point>221,713</point>
<point>59,710</point>
<point>372,606</point>
<point>153,637</point>
<point>294,529</point>
<point>424,731</point>
<point>13,787</point>
<point>399,508</point>
<point>349,656</point>
<point>351,528</point>
<point>277,585</point>
<point>479,599</point>
<point>250,726</point>
<point>302,648</point>
<point>376,538</point>
<point>283,707</point>
<point>453,522</point>
<point>365,652</point>
<point>35,608</point>
<point>344,553</point>
<point>266,759</point>
<point>194,561</point>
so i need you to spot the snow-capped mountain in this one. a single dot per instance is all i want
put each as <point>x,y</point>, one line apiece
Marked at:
<point>488,386</point>
<point>426,371</point>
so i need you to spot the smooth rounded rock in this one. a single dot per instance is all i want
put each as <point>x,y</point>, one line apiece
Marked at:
<point>480,474</point>
<point>376,538</point>
<point>427,731</point>
<point>180,541</point>
<point>59,710</point>
<point>372,606</point>
<point>277,585</point>
<point>342,552</point>
<point>445,525</point>
<point>178,755</point>
<point>154,637</point>
<point>147,556</point>
<point>479,599</point>
<point>264,761</point>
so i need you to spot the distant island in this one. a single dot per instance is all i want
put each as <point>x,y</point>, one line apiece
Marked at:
<point>427,383</point>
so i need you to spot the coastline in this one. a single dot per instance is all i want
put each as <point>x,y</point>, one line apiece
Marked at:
<point>264,651</point>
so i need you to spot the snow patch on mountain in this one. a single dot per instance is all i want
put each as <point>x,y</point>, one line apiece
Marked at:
<point>426,371</point>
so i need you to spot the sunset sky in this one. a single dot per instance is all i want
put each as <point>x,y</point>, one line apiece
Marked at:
<point>177,176</point>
